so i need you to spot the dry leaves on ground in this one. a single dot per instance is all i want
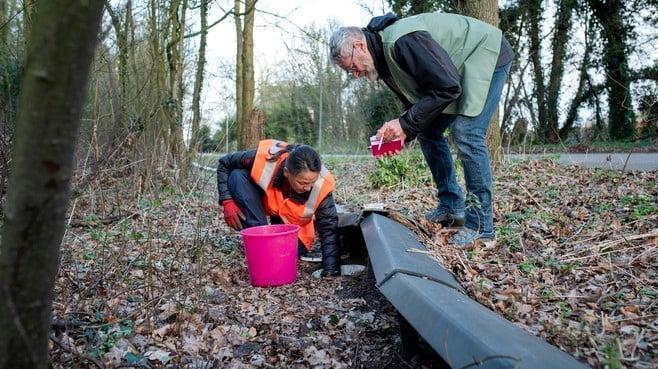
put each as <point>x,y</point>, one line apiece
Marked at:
<point>164,285</point>
<point>575,260</point>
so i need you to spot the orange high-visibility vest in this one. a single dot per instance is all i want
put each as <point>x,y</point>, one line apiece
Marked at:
<point>289,211</point>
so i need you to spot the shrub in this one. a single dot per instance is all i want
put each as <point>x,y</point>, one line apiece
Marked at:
<point>405,169</point>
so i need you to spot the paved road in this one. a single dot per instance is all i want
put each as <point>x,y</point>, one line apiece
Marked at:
<point>636,161</point>
<point>618,161</point>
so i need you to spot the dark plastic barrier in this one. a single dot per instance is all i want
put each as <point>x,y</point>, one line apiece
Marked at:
<point>464,333</point>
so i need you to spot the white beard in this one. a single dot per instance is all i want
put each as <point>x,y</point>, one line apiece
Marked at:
<point>372,75</point>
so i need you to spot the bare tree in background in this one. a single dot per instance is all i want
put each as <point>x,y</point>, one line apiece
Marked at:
<point>122,34</point>
<point>175,88</point>
<point>616,32</point>
<point>254,125</point>
<point>61,47</point>
<point>239,114</point>
<point>487,11</point>
<point>244,68</point>
<point>198,80</point>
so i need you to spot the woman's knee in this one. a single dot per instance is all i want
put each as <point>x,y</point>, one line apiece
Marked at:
<point>242,188</point>
<point>238,177</point>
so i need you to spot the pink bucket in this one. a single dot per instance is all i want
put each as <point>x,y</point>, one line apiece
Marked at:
<point>271,252</point>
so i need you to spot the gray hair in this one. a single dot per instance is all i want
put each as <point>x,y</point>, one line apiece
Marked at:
<point>341,42</point>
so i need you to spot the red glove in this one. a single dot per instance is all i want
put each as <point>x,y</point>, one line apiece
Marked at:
<point>233,216</point>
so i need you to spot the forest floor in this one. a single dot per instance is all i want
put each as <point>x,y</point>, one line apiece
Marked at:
<point>155,279</point>
<point>575,260</point>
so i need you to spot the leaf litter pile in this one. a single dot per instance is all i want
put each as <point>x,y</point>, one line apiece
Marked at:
<point>156,280</point>
<point>575,259</point>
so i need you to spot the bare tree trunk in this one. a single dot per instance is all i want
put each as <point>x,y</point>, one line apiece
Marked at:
<point>616,33</point>
<point>154,141</point>
<point>515,91</point>
<point>581,95</point>
<point>239,113</point>
<point>484,10</point>
<point>248,84</point>
<point>198,81</point>
<point>52,92</point>
<point>152,129</point>
<point>254,128</point>
<point>487,11</point>
<point>560,38</point>
<point>534,9</point>
<point>175,58</point>
<point>130,31</point>
<point>122,45</point>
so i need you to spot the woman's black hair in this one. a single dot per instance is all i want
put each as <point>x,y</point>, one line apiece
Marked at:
<point>300,158</point>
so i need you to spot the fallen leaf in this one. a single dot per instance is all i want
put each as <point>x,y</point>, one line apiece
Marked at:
<point>158,355</point>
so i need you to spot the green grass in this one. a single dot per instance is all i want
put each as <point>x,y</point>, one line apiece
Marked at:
<point>645,144</point>
<point>625,145</point>
<point>408,168</point>
<point>639,205</point>
<point>565,310</point>
<point>527,266</point>
<point>508,235</point>
<point>612,357</point>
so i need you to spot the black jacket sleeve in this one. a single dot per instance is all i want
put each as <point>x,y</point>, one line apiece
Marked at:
<point>437,77</point>
<point>326,219</point>
<point>229,162</point>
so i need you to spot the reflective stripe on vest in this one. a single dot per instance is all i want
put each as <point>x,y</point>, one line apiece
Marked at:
<point>270,166</point>
<point>309,207</point>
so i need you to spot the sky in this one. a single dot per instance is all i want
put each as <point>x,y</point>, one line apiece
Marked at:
<point>270,35</point>
<point>278,22</point>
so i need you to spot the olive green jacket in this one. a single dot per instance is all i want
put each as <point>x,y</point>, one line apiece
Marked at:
<point>473,47</point>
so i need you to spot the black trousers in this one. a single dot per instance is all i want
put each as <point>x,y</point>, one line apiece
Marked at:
<point>248,196</point>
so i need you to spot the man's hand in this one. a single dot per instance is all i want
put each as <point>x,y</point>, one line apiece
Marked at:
<point>233,216</point>
<point>391,130</point>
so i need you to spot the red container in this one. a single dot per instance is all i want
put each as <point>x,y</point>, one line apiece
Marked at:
<point>385,148</point>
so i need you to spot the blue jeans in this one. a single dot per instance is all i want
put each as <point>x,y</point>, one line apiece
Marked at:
<point>469,134</point>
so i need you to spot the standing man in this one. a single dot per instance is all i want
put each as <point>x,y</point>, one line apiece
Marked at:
<point>449,71</point>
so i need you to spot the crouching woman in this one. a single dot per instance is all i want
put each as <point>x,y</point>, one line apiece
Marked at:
<point>288,183</point>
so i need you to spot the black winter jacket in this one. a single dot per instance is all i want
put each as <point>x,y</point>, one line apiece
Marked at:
<point>326,218</point>
<point>429,64</point>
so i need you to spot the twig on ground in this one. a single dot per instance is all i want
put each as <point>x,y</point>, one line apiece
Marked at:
<point>610,244</point>
<point>64,347</point>
<point>533,198</point>
<point>356,355</point>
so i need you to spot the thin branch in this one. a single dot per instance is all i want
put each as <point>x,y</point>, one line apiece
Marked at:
<point>226,15</point>
<point>64,347</point>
